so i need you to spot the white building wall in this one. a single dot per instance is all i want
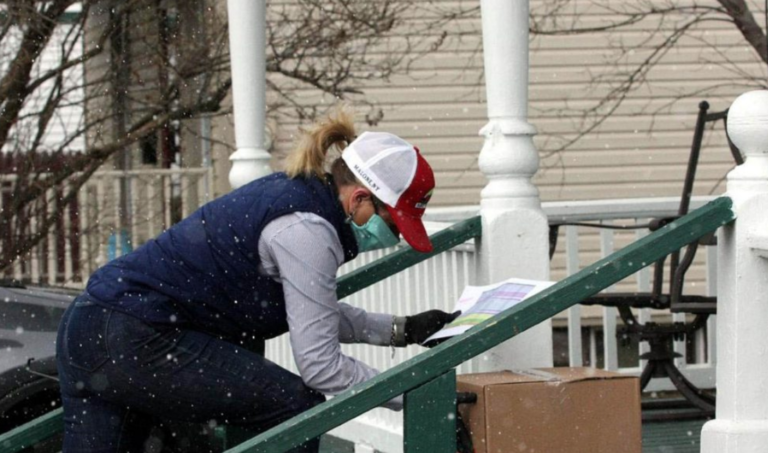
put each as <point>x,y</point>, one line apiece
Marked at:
<point>68,118</point>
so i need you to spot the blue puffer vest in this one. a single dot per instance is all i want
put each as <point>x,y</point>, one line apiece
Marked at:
<point>203,272</point>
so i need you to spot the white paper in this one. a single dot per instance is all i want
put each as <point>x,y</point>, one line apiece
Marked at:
<point>479,303</point>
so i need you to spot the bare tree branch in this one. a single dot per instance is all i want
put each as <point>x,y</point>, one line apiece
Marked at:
<point>672,21</point>
<point>745,22</point>
<point>165,78</point>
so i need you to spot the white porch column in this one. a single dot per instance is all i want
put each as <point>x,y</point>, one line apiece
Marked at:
<point>515,230</point>
<point>741,424</point>
<point>247,43</point>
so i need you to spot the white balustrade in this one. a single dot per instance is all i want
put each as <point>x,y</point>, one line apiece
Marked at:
<point>438,282</point>
<point>71,250</point>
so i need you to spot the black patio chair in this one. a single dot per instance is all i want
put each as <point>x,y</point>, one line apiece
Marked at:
<point>661,357</point>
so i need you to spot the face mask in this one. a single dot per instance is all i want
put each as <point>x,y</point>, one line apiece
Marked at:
<point>375,234</point>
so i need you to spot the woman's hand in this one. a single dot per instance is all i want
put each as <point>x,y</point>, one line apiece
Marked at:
<point>421,326</point>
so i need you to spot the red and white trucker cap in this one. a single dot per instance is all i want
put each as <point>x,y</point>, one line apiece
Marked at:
<point>394,171</point>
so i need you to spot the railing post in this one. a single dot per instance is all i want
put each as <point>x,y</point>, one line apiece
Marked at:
<point>741,423</point>
<point>430,416</point>
<point>515,229</point>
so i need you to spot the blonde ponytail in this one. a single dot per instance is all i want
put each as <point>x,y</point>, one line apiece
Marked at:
<point>308,158</point>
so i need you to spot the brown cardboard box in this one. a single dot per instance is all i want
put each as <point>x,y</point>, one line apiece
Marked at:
<point>553,410</point>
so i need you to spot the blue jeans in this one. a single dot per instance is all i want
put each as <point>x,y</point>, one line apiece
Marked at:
<point>120,376</point>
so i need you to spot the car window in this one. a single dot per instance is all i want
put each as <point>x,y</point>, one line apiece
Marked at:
<point>22,317</point>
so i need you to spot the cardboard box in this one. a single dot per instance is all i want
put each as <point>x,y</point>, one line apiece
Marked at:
<point>553,410</point>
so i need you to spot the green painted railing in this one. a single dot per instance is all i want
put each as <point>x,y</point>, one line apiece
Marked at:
<point>33,432</point>
<point>51,424</point>
<point>428,380</point>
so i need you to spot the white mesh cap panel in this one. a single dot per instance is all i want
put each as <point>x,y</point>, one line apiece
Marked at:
<point>397,170</point>
<point>384,162</point>
<point>369,144</point>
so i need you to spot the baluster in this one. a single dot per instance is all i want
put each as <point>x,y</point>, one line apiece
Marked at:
<point>438,292</point>
<point>575,353</point>
<point>117,231</point>
<point>592,348</point>
<point>446,297</point>
<point>83,215</point>
<point>3,243</point>
<point>202,187</point>
<point>429,284</point>
<point>454,278</point>
<point>679,346</point>
<point>34,260</point>
<point>99,218</point>
<point>374,302</point>
<point>210,189</point>
<point>400,293</point>
<point>66,212</point>
<point>394,306</point>
<point>18,273</point>
<point>418,288</point>
<point>167,202</point>
<point>52,255</point>
<point>382,304</point>
<point>134,214</point>
<point>183,197</point>
<point>470,262</point>
<point>409,294</point>
<point>610,350</point>
<point>150,207</point>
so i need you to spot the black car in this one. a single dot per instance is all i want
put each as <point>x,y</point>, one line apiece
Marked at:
<point>29,319</point>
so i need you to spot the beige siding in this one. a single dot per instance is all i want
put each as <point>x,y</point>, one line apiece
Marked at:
<point>640,151</point>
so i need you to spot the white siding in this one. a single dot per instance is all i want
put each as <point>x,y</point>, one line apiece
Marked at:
<point>68,118</point>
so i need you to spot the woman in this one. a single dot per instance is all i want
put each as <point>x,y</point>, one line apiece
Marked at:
<point>163,333</point>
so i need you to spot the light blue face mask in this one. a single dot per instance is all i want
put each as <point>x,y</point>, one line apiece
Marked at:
<point>374,234</point>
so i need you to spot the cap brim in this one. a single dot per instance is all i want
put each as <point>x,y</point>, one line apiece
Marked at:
<point>412,229</point>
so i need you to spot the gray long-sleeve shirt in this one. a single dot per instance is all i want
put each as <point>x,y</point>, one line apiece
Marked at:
<point>303,252</point>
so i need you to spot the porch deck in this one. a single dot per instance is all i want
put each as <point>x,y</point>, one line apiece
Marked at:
<point>679,436</point>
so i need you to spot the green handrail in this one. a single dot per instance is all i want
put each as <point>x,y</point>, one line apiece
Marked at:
<point>425,368</point>
<point>33,432</point>
<point>50,424</point>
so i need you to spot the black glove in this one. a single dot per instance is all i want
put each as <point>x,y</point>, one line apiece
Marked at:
<point>420,327</point>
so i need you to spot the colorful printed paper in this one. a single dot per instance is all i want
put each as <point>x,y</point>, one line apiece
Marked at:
<point>479,303</point>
